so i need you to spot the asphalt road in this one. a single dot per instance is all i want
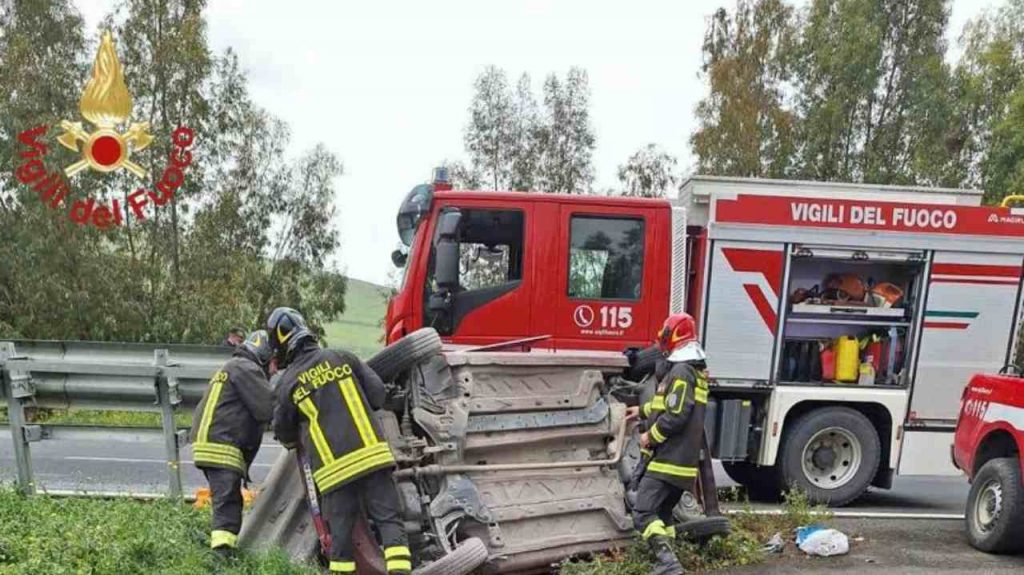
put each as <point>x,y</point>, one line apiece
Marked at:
<point>904,546</point>
<point>112,464</point>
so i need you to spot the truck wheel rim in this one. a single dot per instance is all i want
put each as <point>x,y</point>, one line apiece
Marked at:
<point>831,458</point>
<point>988,506</point>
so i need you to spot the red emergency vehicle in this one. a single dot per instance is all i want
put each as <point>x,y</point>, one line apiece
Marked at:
<point>988,447</point>
<point>839,319</point>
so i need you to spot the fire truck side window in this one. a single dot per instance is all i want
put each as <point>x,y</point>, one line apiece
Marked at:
<point>606,257</point>
<point>490,248</point>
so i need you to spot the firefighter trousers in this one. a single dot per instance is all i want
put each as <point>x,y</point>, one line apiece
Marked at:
<point>655,500</point>
<point>377,495</point>
<point>226,495</point>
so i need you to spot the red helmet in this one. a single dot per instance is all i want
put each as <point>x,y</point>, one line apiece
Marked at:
<point>678,339</point>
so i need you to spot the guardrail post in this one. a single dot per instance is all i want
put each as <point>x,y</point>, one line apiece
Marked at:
<point>16,388</point>
<point>167,421</point>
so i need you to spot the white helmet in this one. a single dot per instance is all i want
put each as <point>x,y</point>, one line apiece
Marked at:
<point>692,351</point>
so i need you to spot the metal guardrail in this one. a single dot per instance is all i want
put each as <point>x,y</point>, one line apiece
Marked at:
<point>159,378</point>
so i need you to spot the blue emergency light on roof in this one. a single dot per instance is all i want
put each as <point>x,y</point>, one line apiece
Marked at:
<point>441,175</point>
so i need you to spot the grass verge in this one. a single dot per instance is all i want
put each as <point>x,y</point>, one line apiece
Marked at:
<point>42,536</point>
<point>183,419</point>
<point>750,531</point>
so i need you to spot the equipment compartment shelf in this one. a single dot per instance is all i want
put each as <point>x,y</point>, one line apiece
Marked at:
<point>847,310</point>
<point>846,321</point>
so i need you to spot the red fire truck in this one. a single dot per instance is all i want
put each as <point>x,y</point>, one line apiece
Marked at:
<point>840,320</point>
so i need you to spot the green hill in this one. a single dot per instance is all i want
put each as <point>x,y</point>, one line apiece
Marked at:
<point>359,329</point>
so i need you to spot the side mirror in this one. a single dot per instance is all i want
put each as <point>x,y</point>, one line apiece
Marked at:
<point>448,224</point>
<point>399,257</point>
<point>446,251</point>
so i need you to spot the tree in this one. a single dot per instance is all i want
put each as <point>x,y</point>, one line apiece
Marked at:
<point>566,138</point>
<point>987,82</point>
<point>649,173</point>
<point>513,145</point>
<point>908,113</point>
<point>488,136</point>
<point>746,127</point>
<point>525,135</point>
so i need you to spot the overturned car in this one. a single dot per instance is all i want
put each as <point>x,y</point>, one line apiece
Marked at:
<point>507,460</point>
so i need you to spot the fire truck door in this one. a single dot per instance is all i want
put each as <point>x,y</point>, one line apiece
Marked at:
<point>969,319</point>
<point>605,296</point>
<point>743,302</point>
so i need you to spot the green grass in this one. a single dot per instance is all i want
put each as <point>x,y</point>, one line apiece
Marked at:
<point>358,329</point>
<point>750,532</point>
<point>51,536</point>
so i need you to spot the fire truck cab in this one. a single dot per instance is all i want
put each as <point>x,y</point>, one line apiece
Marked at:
<point>840,320</point>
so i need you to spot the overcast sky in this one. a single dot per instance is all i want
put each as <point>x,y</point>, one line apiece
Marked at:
<point>386,84</point>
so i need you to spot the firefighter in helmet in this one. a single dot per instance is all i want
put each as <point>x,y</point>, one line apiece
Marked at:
<point>325,403</point>
<point>673,437</point>
<point>227,429</point>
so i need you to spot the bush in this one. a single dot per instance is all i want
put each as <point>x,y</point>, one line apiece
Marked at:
<point>54,536</point>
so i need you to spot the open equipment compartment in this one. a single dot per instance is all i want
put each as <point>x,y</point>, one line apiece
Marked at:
<point>849,316</point>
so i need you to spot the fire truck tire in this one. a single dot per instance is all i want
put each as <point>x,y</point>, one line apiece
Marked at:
<point>761,482</point>
<point>831,454</point>
<point>471,554</point>
<point>642,363</point>
<point>995,507</point>
<point>391,361</point>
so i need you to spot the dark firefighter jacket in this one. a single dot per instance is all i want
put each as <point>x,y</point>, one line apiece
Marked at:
<point>228,423</point>
<point>676,424</point>
<point>325,402</point>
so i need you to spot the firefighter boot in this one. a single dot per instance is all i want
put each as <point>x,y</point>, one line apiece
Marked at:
<point>666,562</point>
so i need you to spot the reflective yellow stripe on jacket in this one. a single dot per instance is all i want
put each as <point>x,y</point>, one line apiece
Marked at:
<point>352,464</point>
<point>316,433</point>
<point>655,405</point>
<point>673,470</point>
<point>372,455</point>
<point>358,411</point>
<point>216,385</point>
<point>219,454</point>
<point>208,452</point>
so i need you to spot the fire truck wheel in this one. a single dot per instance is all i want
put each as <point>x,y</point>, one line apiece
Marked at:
<point>831,454</point>
<point>391,361</point>
<point>761,482</point>
<point>642,363</point>
<point>469,555</point>
<point>995,507</point>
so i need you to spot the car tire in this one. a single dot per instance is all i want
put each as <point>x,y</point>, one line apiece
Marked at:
<point>995,507</point>
<point>702,529</point>
<point>391,361</point>
<point>760,482</point>
<point>642,363</point>
<point>831,454</point>
<point>469,555</point>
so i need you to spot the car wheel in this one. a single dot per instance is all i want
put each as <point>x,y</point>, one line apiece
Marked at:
<point>831,454</point>
<point>643,362</point>
<point>703,529</point>
<point>391,361</point>
<point>760,482</point>
<point>469,555</point>
<point>995,507</point>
